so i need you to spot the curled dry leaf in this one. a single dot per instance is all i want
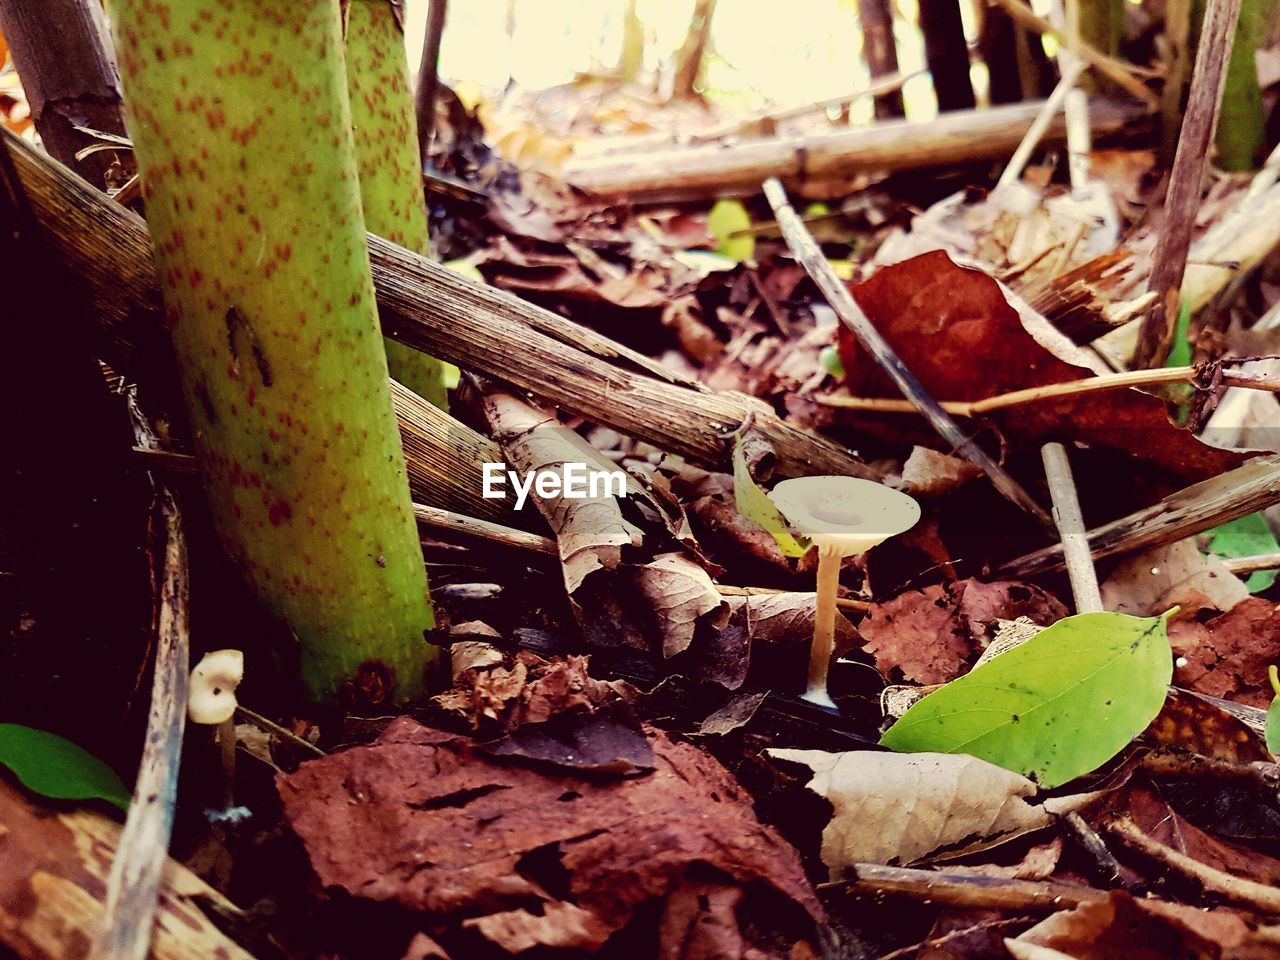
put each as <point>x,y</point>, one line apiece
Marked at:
<point>903,808</point>
<point>1176,575</point>
<point>630,565</point>
<point>956,331</point>
<point>931,635</point>
<point>424,820</point>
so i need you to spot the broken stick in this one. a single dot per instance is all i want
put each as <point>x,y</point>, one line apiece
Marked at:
<point>1066,513</point>
<point>809,254</point>
<point>1248,488</point>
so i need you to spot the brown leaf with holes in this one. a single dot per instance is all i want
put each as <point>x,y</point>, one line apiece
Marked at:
<point>932,635</point>
<point>1228,655</point>
<point>424,820</point>
<point>954,329</point>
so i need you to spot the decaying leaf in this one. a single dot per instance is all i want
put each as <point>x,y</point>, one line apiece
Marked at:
<point>424,820</point>
<point>933,634</point>
<point>928,473</point>
<point>1175,575</point>
<point>1127,927</point>
<point>657,596</point>
<point>1188,723</point>
<point>898,809</point>
<point>1228,655</point>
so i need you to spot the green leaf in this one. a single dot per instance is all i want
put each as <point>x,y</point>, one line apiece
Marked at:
<point>1273,726</point>
<point>1245,537</point>
<point>830,360</point>
<point>726,218</point>
<point>754,504</point>
<point>1060,705</point>
<point>1180,352</point>
<point>53,767</point>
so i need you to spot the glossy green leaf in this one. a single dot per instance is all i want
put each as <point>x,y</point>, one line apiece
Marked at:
<point>1055,708</point>
<point>727,218</point>
<point>53,767</point>
<point>1246,537</point>
<point>754,504</point>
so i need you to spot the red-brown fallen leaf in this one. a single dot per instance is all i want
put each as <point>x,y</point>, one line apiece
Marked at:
<point>1156,818</point>
<point>1228,656</point>
<point>931,635</point>
<point>424,820</point>
<point>1123,928</point>
<point>954,329</point>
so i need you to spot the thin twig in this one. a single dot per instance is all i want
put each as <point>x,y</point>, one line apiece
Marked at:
<point>1052,391</point>
<point>133,885</point>
<point>1041,123</point>
<point>952,888</point>
<point>1252,564</point>
<point>284,733</point>
<point>434,518</point>
<point>843,603</point>
<point>1075,545</point>
<point>1186,181</point>
<point>1237,890</point>
<point>429,77</point>
<point>1093,845</point>
<point>807,252</point>
<point>1108,66</point>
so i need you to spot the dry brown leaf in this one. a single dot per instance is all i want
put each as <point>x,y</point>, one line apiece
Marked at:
<point>932,635</point>
<point>903,808</point>
<point>1124,928</point>
<point>661,595</point>
<point>1194,725</point>
<point>928,473</point>
<point>424,820</point>
<point>1170,576</point>
<point>1228,656</point>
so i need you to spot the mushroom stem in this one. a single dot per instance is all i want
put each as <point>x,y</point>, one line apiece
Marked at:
<point>227,741</point>
<point>824,627</point>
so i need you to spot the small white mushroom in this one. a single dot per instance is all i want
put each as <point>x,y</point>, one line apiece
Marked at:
<point>842,517</point>
<point>212,695</point>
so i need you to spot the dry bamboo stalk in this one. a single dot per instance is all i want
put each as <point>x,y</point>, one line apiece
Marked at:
<point>54,866</point>
<point>1016,398</point>
<point>107,252</point>
<point>1186,181</point>
<point>1248,488</point>
<point>1066,513</point>
<point>810,256</point>
<point>699,171</point>
<point>1111,68</point>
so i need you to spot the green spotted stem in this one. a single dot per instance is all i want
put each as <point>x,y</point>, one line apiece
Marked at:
<point>239,115</point>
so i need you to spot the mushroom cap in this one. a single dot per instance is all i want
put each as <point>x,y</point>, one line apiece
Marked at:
<point>212,696</point>
<point>844,515</point>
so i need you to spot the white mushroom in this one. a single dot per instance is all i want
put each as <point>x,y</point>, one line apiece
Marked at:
<point>212,695</point>
<point>842,517</point>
